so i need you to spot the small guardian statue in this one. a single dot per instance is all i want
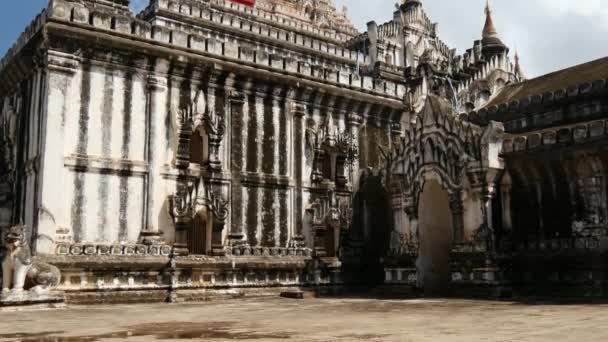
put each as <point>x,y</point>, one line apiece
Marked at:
<point>20,271</point>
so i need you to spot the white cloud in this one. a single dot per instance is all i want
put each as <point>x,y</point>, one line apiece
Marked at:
<point>595,10</point>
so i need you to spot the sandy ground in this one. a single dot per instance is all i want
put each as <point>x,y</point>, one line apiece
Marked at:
<point>278,319</point>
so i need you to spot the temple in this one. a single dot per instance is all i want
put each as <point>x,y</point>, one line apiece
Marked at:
<point>205,148</point>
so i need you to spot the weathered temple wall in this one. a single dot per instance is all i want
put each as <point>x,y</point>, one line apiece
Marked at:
<point>95,152</point>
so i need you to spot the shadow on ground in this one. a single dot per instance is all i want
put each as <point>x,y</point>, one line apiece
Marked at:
<point>159,331</point>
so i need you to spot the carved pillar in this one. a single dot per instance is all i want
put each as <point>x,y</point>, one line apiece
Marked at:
<point>317,164</point>
<point>219,208</point>
<point>214,147</point>
<point>236,103</point>
<point>182,216</point>
<point>215,137</point>
<point>483,188</point>
<point>151,233</point>
<point>184,134</point>
<point>354,123</point>
<point>412,214</point>
<point>299,114</point>
<point>487,194</point>
<point>182,198</point>
<point>457,209</point>
<point>341,180</point>
<point>395,132</point>
<point>505,194</point>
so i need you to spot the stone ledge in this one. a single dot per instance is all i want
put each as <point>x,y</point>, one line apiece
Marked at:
<point>86,163</point>
<point>28,300</point>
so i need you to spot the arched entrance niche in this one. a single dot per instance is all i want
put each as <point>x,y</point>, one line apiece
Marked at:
<point>435,231</point>
<point>199,237</point>
<point>443,171</point>
<point>199,147</point>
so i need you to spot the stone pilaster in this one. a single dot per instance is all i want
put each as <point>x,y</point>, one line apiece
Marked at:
<point>63,85</point>
<point>412,214</point>
<point>457,209</point>
<point>299,115</point>
<point>354,124</point>
<point>236,103</point>
<point>505,193</point>
<point>215,126</point>
<point>396,132</point>
<point>317,165</point>
<point>151,233</point>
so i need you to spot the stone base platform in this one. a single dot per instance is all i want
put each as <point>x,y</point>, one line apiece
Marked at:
<point>148,278</point>
<point>26,300</point>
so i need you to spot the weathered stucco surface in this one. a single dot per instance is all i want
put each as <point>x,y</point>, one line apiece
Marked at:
<point>203,144</point>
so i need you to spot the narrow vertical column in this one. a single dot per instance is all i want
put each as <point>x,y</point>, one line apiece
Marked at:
<point>317,164</point>
<point>487,194</point>
<point>354,123</point>
<point>505,194</point>
<point>215,125</point>
<point>396,132</point>
<point>483,188</point>
<point>412,215</point>
<point>151,233</point>
<point>457,209</point>
<point>236,103</point>
<point>182,199</point>
<point>299,113</point>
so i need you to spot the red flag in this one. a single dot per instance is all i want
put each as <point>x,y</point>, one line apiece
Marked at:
<point>245,2</point>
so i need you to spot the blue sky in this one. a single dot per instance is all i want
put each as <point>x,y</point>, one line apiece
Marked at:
<point>549,34</point>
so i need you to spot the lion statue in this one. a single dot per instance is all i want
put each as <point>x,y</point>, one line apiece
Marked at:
<point>19,271</point>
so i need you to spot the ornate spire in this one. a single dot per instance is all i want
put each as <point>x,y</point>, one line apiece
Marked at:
<point>490,40</point>
<point>489,30</point>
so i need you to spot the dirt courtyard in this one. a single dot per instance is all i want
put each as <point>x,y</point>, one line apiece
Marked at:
<point>311,320</point>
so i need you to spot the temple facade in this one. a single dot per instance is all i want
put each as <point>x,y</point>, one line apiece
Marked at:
<point>206,148</point>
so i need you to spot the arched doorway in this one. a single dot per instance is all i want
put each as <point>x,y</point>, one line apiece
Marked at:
<point>199,239</point>
<point>435,231</point>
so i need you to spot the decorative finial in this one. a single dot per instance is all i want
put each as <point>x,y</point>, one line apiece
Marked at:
<point>517,68</point>
<point>489,30</point>
<point>490,41</point>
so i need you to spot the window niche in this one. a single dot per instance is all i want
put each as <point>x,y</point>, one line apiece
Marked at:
<point>199,147</point>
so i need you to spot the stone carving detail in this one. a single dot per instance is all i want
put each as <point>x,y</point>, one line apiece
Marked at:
<point>184,134</point>
<point>190,199</point>
<point>8,138</point>
<point>182,203</point>
<point>591,220</point>
<point>215,127</point>
<point>440,147</point>
<point>325,140</point>
<point>315,138</point>
<point>347,156</point>
<point>20,270</point>
<point>214,202</point>
<point>329,219</point>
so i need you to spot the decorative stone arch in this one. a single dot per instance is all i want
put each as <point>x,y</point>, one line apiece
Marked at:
<point>460,157</point>
<point>193,200</point>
